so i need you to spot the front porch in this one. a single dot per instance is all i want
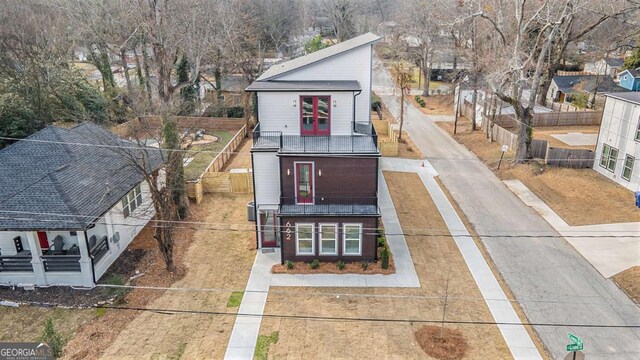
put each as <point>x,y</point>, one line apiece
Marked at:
<point>45,258</point>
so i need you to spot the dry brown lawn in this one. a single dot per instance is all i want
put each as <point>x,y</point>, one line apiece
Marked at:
<point>435,104</point>
<point>629,281</point>
<point>26,323</point>
<point>433,256</point>
<point>137,334</point>
<point>567,191</point>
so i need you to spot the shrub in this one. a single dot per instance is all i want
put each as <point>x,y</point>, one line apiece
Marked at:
<point>51,337</point>
<point>289,264</point>
<point>116,293</point>
<point>418,98</point>
<point>314,264</point>
<point>365,265</point>
<point>382,241</point>
<point>376,103</point>
<point>340,264</point>
<point>384,257</point>
<point>422,103</point>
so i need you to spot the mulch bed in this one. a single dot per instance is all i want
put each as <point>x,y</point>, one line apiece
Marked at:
<point>452,346</point>
<point>302,267</point>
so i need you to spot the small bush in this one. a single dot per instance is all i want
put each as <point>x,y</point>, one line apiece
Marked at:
<point>376,103</point>
<point>340,264</point>
<point>314,264</point>
<point>100,311</point>
<point>418,98</point>
<point>384,257</point>
<point>117,293</point>
<point>365,266</point>
<point>382,241</point>
<point>289,264</point>
<point>51,337</point>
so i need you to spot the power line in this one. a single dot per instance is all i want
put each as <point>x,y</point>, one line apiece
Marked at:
<point>170,311</point>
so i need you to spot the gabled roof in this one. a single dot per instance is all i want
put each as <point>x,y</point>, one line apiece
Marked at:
<point>634,72</point>
<point>614,62</point>
<point>320,55</point>
<point>630,96</point>
<point>586,84</point>
<point>307,85</point>
<point>62,171</point>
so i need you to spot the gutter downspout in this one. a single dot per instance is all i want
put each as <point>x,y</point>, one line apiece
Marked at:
<point>354,109</point>
<point>93,269</point>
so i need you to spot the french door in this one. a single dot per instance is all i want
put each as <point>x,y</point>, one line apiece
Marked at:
<point>304,182</point>
<point>268,228</point>
<point>315,116</point>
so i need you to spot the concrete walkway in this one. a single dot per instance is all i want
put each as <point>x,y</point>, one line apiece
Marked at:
<point>552,281</point>
<point>608,255</point>
<point>516,337</point>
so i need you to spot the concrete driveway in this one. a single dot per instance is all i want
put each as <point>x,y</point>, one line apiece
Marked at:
<point>552,281</point>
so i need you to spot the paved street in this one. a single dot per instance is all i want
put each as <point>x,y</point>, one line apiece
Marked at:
<point>553,282</point>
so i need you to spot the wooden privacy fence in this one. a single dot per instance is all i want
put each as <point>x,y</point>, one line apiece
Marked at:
<point>500,135</point>
<point>388,142</point>
<point>539,149</point>
<point>556,118</point>
<point>570,158</point>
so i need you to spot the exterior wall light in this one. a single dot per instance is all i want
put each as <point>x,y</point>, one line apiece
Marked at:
<point>289,170</point>
<point>319,172</point>
<point>294,103</point>
<point>334,103</point>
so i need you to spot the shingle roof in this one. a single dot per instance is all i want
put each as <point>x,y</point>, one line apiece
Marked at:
<point>630,96</point>
<point>586,84</point>
<point>309,85</point>
<point>282,68</point>
<point>61,171</point>
<point>614,62</point>
<point>634,72</point>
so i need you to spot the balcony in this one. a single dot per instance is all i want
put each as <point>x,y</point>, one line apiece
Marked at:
<point>365,141</point>
<point>324,206</point>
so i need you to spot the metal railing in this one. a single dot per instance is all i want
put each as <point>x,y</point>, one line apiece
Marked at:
<point>61,263</point>
<point>99,250</point>
<point>15,263</point>
<point>322,205</point>
<point>365,142</point>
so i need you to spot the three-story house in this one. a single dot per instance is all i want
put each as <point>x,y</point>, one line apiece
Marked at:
<point>315,155</point>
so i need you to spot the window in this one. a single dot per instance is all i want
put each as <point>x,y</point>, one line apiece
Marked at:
<point>131,201</point>
<point>328,239</point>
<point>627,170</point>
<point>352,239</point>
<point>304,239</point>
<point>315,116</point>
<point>609,158</point>
<point>638,131</point>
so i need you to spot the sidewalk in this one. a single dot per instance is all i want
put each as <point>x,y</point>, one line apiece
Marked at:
<point>608,255</point>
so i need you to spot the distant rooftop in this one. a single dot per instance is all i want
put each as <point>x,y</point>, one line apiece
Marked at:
<point>586,83</point>
<point>630,96</point>
<point>320,55</point>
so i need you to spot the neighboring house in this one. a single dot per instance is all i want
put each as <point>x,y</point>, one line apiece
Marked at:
<point>315,155</point>
<point>563,87</point>
<point>607,66</point>
<point>630,79</point>
<point>67,211</point>
<point>618,147</point>
<point>231,89</point>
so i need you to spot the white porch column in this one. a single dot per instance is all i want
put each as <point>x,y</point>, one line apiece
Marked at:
<point>36,261</point>
<point>85,260</point>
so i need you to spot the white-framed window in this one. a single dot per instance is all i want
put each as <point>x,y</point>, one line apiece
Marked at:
<point>352,239</point>
<point>328,234</point>
<point>305,239</point>
<point>627,170</point>
<point>609,157</point>
<point>131,201</point>
<point>637,137</point>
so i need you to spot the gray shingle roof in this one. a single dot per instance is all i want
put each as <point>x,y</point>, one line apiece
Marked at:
<point>634,72</point>
<point>586,83</point>
<point>61,171</point>
<point>614,62</point>
<point>282,68</point>
<point>630,96</point>
<point>309,85</point>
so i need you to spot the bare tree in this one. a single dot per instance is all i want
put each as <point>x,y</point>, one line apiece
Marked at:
<point>403,85</point>
<point>341,15</point>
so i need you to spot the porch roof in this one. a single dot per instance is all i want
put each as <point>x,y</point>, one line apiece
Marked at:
<point>63,179</point>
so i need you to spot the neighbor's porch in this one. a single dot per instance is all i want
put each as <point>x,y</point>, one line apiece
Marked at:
<point>52,257</point>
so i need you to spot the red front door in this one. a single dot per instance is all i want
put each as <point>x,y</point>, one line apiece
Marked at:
<point>268,228</point>
<point>315,116</point>
<point>304,183</point>
<point>42,239</point>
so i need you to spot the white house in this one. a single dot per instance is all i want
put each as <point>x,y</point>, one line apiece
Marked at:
<point>618,146</point>
<point>69,208</point>
<point>606,66</point>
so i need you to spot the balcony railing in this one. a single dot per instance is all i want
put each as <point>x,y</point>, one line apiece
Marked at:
<point>366,143</point>
<point>61,263</point>
<point>99,249</point>
<point>329,206</point>
<point>16,263</point>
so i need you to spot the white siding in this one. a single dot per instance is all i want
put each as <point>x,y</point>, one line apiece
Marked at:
<point>266,169</point>
<point>7,246</point>
<point>277,113</point>
<point>351,65</point>
<point>619,123</point>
